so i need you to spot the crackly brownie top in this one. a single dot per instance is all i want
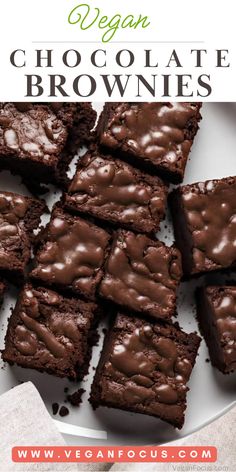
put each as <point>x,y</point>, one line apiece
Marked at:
<point>153,362</point>
<point>32,131</point>
<point>13,208</point>
<point>115,187</point>
<point>223,301</point>
<point>47,326</point>
<point>210,209</point>
<point>160,132</point>
<point>73,253</point>
<point>142,274</point>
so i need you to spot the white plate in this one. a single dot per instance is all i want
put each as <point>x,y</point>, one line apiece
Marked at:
<point>211,393</point>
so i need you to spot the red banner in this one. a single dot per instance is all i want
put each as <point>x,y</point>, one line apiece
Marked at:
<point>114,454</point>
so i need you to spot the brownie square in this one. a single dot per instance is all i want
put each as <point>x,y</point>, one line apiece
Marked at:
<point>114,191</point>
<point>204,218</point>
<point>155,136</point>
<point>19,217</point>
<point>216,311</point>
<point>144,368</point>
<point>51,333</point>
<point>33,137</point>
<point>142,274</point>
<point>71,254</point>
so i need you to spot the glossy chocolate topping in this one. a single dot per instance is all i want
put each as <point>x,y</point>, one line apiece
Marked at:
<point>31,131</point>
<point>154,131</point>
<point>48,333</point>
<point>142,274</point>
<point>73,254</point>
<point>224,306</point>
<point>118,190</point>
<point>12,211</point>
<point>210,210</point>
<point>150,366</point>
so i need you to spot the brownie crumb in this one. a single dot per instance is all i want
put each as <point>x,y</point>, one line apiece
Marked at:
<point>55,408</point>
<point>104,330</point>
<point>207,360</point>
<point>75,398</point>
<point>66,389</point>
<point>63,411</point>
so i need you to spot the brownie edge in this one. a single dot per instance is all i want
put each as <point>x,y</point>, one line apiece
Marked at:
<point>216,312</point>
<point>2,291</point>
<point>19,217</point>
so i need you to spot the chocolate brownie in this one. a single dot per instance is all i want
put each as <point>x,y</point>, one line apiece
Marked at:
<point>155,136</point>
<point>114,191</point>
<point>19,217</point>
<point>142,274</point>
<point>51,333</point>
<point>144,368</point>
<point>216,311</point>
<point>38,140</point>
<point>71,254</point>
<point>204,218</point>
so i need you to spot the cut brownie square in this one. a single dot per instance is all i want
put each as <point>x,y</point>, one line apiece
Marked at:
<point>33,137</point>
<point>71,254</point>
<point>155,136</point>
<point>216,311</point>
<point>114,191</point>
<point>144,368</point>
<point>204,218</point>
<point>19,217</point>
<point>51,333</point>
<point>142,274</point>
